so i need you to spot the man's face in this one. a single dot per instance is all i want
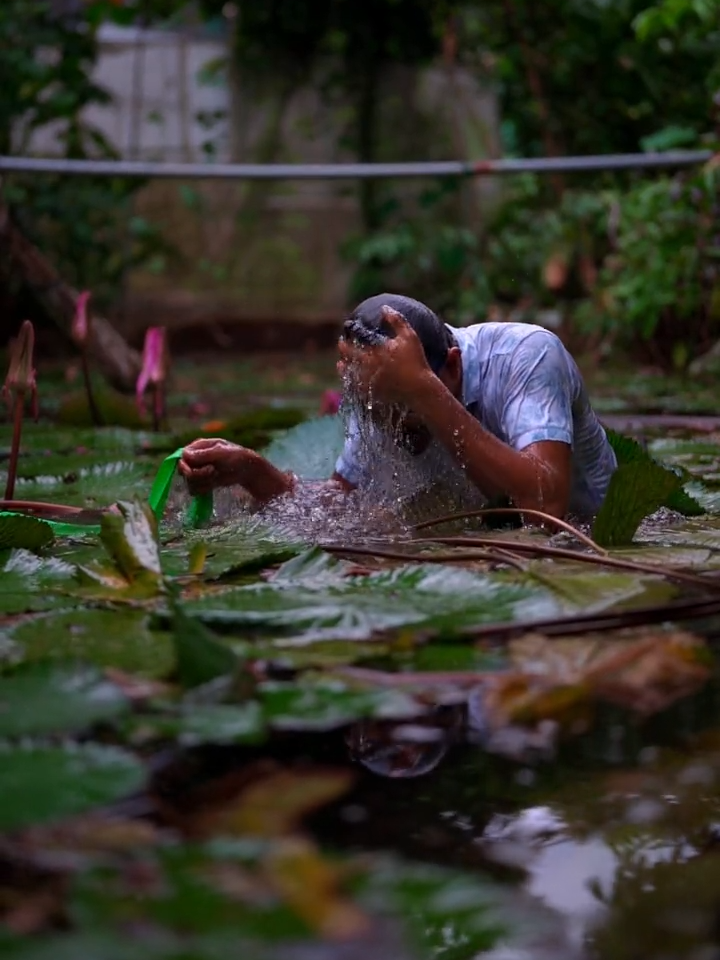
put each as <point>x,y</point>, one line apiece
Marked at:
<point>407,429</point>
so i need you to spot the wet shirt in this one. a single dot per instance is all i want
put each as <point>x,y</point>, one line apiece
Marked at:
<point>523,386</point>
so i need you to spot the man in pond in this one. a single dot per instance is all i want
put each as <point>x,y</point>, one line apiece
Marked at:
<point>503,403</point>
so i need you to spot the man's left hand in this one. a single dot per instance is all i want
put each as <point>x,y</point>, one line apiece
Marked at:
<point>391,372</point>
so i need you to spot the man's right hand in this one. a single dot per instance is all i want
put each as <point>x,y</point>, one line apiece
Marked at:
<point>210,463</point>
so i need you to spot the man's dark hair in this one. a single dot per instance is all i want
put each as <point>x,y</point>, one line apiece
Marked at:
<point>367,325</point>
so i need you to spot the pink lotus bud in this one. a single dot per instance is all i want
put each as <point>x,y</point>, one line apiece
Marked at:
<point>154,364</point>
<point>330,403</point>
<point>20,379</point>
<point>80,324</point>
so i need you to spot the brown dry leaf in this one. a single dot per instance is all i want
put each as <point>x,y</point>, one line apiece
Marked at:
<point>644,670</point>
<point>274,804</point>
<point>311,887</point>
<point>93,833</point>
<point>35,912</point>
<point>560,679</point>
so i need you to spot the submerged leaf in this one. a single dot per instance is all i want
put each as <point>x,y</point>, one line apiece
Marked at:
<point>40,784</point>
<point>38,699</point>
<point>274,804</point>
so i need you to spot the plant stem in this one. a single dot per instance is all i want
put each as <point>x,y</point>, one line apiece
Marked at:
<point>158,409</point>
<point>15,449</point>
<point>95,414</point>
<point>537,514</point>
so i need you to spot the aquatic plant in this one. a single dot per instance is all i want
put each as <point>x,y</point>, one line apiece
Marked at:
<point>81,336</point>
<point>154,374</point>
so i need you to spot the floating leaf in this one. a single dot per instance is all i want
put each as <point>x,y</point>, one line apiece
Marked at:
<point>24,533</point>
<point>43,783</point>
<point>636,490</point>
<point>199,656</point>
<point>27,582</point>
<point>329,704</point>
<point>42,698</point>
<point>106,638</point>
<point>206,723</point>
<point>327,604</point>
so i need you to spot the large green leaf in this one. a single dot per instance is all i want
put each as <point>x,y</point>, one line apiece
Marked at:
<point>205,723</point>
<point>92,485</point>
<point>42,783</point>
<point>310,449</point>
<point>107,638</point>
<point>329,605</point>
<point>636,490</point>
<point>43,698</point>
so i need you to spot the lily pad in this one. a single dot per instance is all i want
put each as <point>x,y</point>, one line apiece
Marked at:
<point>106,638</point>
<point>328,704</point>
<point>333,606</point>
<point>206,723</point>
<point>44,783</point>
<point>93,485</point>
<point>27,582</point>
<point>43,698</point>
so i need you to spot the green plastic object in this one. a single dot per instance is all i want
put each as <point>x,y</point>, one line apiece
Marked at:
<point>199,511</point>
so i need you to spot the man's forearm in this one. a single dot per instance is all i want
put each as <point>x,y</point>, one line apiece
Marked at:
<point>493,466</point>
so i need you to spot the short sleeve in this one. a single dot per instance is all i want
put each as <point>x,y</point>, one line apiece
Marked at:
<point>349,463</point>
<point>538,393</point>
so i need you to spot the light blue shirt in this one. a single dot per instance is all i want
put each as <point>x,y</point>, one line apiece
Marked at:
<point>523,386</point>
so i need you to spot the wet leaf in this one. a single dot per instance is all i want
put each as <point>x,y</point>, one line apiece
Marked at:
<point>309,449</point>
<point>131,539</point>
<point>636,490</point>
<point>27,582</point>
<point>200,657</point>
<point>328,604</point>
<point>106,638</point>
<point>39,699</point>
<point>41,784</point>
<point>24,533</point>
<point>328,704</point>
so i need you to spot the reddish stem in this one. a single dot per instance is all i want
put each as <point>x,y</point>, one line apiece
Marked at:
<point>95,414</point>
<point>15,448</point>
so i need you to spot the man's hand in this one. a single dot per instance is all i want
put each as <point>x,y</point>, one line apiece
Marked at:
<point>211,463</point>
<point>391,372</point>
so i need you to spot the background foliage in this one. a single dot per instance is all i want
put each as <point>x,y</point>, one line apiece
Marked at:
<point>625,259</point>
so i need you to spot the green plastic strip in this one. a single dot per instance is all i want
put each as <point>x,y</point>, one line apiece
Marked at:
<point>198,513</point>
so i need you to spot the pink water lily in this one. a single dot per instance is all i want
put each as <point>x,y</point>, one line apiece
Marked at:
<point>80,331</point>
<point>153,373</point>
<point>19,384</point>
<point>81,324</point>
<point>330,403</point>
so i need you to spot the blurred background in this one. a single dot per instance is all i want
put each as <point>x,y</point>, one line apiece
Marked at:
<point>614,261</point>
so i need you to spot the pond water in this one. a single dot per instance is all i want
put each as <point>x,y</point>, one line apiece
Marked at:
<point>583,826</point>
